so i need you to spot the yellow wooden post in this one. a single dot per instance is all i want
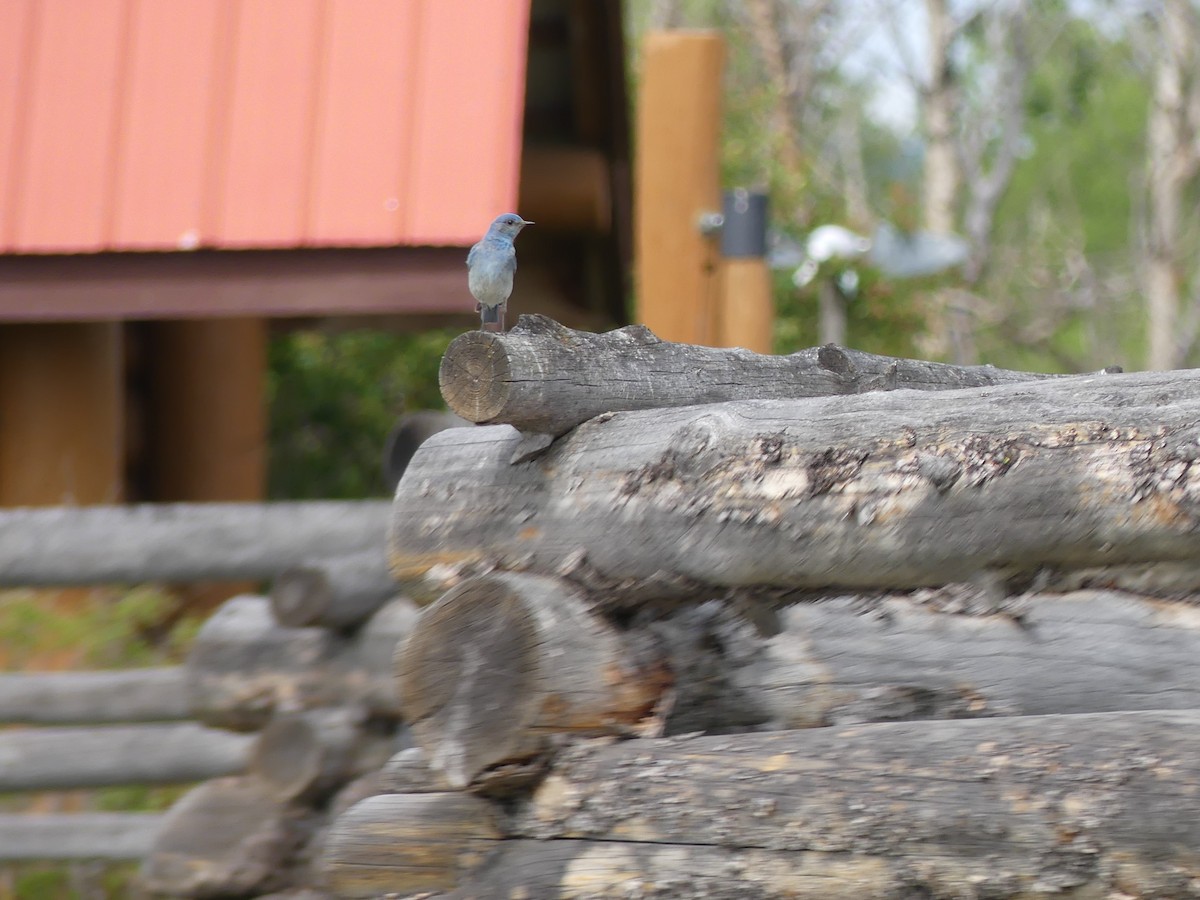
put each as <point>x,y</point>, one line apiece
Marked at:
<point>61,413</point>
<point>676,181</point>
<point>747,311</point>
<point>747,308</point>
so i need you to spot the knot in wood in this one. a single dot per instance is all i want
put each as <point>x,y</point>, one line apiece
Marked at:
<point>475,376</point>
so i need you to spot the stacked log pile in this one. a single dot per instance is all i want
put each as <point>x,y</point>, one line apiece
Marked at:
<point>307,671</point>
<point>705,624</point>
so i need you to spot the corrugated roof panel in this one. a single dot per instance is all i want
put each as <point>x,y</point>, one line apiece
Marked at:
<point>74,78</point>
<point>467,141</point>
<point>147,124</point>
<point>161,151</point>
<point>16,40</point>
<point>264,185</point>
<point>364,124</point>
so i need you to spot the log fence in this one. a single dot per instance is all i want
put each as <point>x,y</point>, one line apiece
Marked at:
<point>684,622</point>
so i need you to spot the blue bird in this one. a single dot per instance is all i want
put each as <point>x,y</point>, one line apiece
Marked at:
<point>490,267</point>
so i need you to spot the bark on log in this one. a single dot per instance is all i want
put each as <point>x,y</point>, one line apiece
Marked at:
<point>371,666</point>
<point>409,772</point>
<point>333,593</point>
<point>892,490</point>
<point>901,658</point>
<point>78,836</point>
<point>984,807</point>
<point>501,661</point>
<point>243,667</point>
<point>227,837</point>
<point>62,698</point>
<point>544,377</point>
<point>42,759</point>
<point>306,756</point>
<point>180,542</point>
<point>407,843</point>
<point>601,869</point>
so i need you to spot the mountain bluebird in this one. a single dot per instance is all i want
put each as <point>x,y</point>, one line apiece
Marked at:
<point>490,267</point>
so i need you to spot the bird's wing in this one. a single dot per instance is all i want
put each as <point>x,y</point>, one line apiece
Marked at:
<point>471,254</point>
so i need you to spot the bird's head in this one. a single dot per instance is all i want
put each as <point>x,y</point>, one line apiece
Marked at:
<point>508,224</point>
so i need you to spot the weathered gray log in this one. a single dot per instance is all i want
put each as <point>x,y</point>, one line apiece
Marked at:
<point>409,772</point>
<point>61,698</point>
<point>41,759</point>
<point>594,869</point>
<point>503,660</point>
<point>306,756</point>
<point>243,666</point>
<point>897,489</point>
<point>180,542</point>
<point>336,593</point>
<point>83,835</point>
<point>984,807</point>
<point>848,660</point>
<point>410,432</point>
<point>407,843</point>
<point>370,668</point>
<point>227,837</point>
<point>544,377</point>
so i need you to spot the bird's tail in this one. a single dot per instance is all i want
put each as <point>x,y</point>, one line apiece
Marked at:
<point>492,317</point>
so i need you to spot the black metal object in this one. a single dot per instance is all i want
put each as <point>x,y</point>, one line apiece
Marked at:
<point>744,233</point>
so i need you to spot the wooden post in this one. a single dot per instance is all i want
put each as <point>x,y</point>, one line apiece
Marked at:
<point>746,313</point>
<point>676,180</point>
<point>61,421</point>
<point>208,409</point>
<point>208,421</point>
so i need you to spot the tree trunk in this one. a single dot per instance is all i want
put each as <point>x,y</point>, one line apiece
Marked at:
<point>180,542</point>
<point>503,660</point>
<point>77,836</point>
<point>922,657</point>
<point>64,698</point>
<point>227,837</point>
<point>243,667</point>
<point>831,312</point>
<point>888,490</point>
<point>334,593</point>
<point>542,377</point>
<point>991,807</point>
<point>406,843</point>
<point>1171,163</point>
<point>43,759</point>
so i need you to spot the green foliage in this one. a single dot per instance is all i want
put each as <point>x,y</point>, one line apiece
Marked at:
<point>101,629</point>
<point>334,397</point>
<point>88,629</point>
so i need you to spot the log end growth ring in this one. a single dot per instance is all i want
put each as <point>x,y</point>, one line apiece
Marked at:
<point>468,676</point>
<point>475,376</point>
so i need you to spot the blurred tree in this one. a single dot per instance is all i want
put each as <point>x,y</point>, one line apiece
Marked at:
<point>1172,163</point>
<point>333,399</point>
<point>1033,143</point>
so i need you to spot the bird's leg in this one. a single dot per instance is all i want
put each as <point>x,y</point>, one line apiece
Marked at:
<point>500,316</point>
<point>491,318</point>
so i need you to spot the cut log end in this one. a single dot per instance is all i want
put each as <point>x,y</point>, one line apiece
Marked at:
<point>299,596</point>
<point>471,678</point>
<point>504,660</point>
<point>474,376</point>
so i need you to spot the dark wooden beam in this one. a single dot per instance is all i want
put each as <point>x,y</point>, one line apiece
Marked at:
<point>208,284</point>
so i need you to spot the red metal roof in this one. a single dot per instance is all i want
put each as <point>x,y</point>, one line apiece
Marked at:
<point>175,124</point>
